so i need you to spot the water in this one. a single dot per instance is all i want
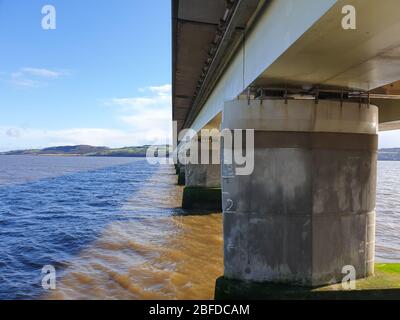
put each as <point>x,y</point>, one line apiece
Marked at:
<point>388,212</point>
<point>113,229</point>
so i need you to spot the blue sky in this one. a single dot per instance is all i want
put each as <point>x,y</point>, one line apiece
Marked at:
<point>101,78</point>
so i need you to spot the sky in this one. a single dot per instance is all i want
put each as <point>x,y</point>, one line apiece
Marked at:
<point>102,77</point>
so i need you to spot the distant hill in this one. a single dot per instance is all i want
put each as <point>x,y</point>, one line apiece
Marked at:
<point>85,150</point>
<point>389,154</point>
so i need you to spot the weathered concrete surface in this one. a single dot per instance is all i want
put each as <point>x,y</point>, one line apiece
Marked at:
<point>385,284</point>
<point>203,175</point>
<point>308,209</point>
<point>204,169</point>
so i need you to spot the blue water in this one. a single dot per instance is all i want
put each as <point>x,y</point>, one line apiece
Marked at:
<point>111,228</point>
<point>48,215</point>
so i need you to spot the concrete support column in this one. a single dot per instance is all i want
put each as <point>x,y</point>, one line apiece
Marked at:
<point>308,208</point>
<point>203,178</point>
<point>203,175</point>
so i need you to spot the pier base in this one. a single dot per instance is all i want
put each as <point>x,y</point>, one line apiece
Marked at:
<point>181,176</point>
<point>203,187</point>
<point>203,180</point>
<point>384,285</point>
<point>202,198</point>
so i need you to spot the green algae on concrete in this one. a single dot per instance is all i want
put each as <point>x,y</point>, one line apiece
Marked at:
<point>202,198</point>
<point>385,284</point>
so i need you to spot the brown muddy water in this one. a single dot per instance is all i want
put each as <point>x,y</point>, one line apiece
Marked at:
<point>165,257</point>
<point>113,229</point>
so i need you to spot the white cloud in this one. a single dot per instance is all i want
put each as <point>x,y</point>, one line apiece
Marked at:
<point>13,132</point>
<point>149,115</point>
<point>164,90</point>
<point>18,79</point>
<point>45,73</point>
<point>35,77</point>
<point>147,119</point>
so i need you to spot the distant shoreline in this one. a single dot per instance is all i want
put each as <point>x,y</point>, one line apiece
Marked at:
<point>74,155</point>
<point>88,151</point>
<point>117,156</point>
<point>384,154</point>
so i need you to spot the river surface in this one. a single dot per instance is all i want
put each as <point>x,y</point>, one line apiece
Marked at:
<point>112,228</point>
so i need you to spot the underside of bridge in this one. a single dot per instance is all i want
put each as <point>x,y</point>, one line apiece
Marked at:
<point>316,96</point>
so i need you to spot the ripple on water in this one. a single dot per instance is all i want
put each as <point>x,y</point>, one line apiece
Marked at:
<point>388,212</point>
<point>114,230</point>
<point>151,256</point>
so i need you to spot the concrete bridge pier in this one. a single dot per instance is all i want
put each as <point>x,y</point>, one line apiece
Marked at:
<point>203,176</point>
<point>308,209</point>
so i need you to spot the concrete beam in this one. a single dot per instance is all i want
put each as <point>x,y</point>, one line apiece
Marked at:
<point>389,113</point>
<point>327,55</point>
<point>263,45</point>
